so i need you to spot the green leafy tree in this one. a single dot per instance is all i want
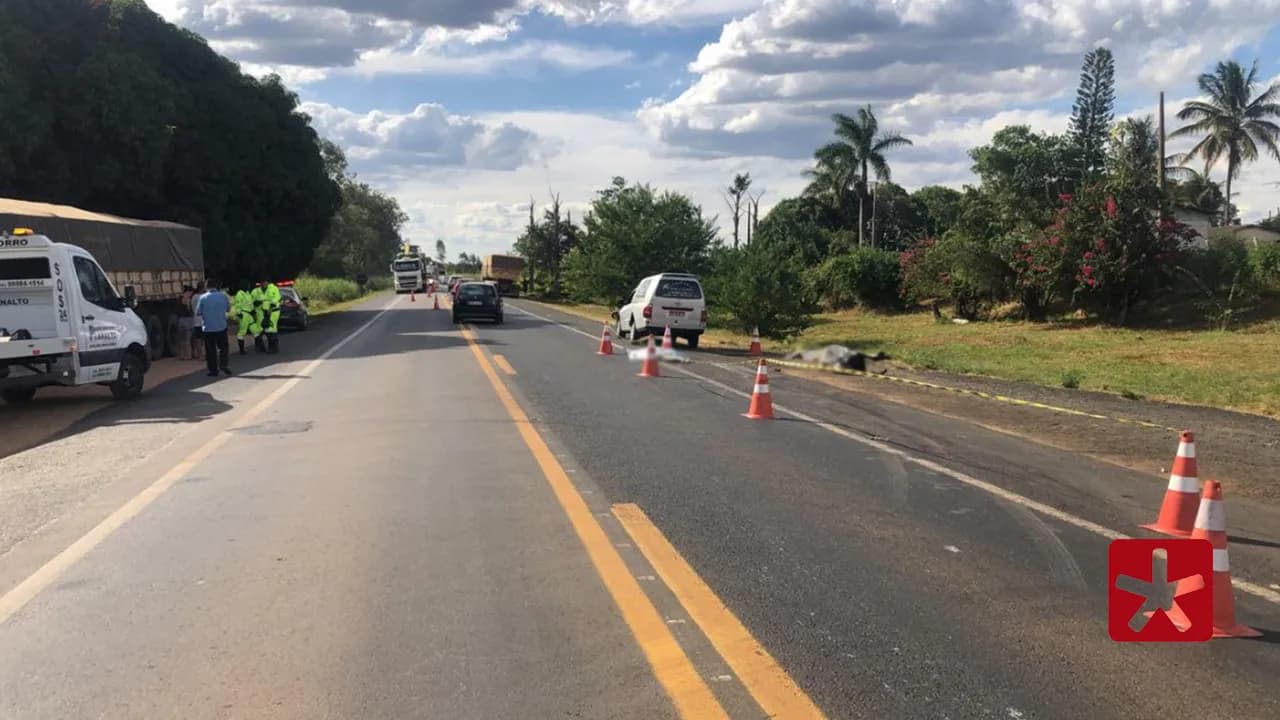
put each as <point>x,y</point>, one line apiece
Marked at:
<point>107,107</point>
<point>1094,110</point>
<point>1234,122</point>
<point>632,231</point>
<point>1025,173</point>
<point>847,163</point>
<point>364,236</point>
<point>898,218</point>
<point>941,206</point>
<point>764,288</point>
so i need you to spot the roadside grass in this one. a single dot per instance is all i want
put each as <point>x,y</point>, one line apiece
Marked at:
<point>330,295</point>
<point>1236,370</point>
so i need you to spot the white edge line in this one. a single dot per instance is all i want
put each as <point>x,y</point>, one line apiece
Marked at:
<point>1009,495</point>
<point>24,592</point>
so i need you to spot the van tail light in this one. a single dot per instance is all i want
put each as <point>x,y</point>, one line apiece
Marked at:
<point>648,311</point>
<point>704,315</point>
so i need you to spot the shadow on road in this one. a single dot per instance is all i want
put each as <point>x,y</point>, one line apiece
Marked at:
<point>190,397</point>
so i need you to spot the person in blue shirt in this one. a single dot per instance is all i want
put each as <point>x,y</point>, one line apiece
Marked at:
<point>212,308</point>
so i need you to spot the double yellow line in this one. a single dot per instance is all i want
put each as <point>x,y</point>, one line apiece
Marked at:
<point>769,685</point>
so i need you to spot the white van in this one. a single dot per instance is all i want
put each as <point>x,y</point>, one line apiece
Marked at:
<point>664,300</point>
<point>62,323</point>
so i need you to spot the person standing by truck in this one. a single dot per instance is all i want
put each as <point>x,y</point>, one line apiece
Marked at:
<point>259,296</point>
<point>272,309</point>
<point>212,308</point>
<point>243,308</point>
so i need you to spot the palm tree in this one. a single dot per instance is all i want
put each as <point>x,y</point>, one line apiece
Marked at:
<point>859,148</point>
<point>1191,188</point>
<point>1233,121</point>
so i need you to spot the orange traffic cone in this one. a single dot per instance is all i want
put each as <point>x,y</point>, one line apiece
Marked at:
<point>606,342</point>
<point>1211,525</point>
<point>1182,498</point>
<point>667,342</point>
<point>755,350</point>
<point>650,367</point>
<point>761,407</point>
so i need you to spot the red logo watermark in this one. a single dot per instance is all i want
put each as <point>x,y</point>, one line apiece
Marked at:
<point>1160,590</point>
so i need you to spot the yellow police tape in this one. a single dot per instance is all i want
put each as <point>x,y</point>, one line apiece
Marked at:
<point>974,393</point>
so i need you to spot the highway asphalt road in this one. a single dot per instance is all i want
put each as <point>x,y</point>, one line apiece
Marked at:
<point>401,518</point>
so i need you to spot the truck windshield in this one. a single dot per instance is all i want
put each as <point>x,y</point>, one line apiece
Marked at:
<point>406,265</point>
<point>36,268</point>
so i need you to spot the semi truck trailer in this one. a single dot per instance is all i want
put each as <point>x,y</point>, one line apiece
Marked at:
<point>503,270</point>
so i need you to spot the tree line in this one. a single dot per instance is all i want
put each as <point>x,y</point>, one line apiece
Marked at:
<point>1079,222</point>
<point>108,107</point>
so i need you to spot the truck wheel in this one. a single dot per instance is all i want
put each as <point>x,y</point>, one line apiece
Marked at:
<point>129,383</point>
<point>172,336</point>
<point>18,396</point>
<point>155,337</point>
<point>693,342</point>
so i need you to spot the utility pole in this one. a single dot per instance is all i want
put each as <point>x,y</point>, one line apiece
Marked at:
<point>1160,160</point>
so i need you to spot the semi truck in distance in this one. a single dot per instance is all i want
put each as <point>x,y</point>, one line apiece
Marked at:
<point>151,260</point>
<point>504,271</point>
<point>410,270</point>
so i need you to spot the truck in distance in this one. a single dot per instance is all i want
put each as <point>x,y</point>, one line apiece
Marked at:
<point>504,270</point>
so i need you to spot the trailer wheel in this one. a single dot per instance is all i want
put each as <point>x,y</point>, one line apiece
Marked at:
<point>155,337</point>
<point>20,396</point>
<point>172,336</point>
<point>129,383</point>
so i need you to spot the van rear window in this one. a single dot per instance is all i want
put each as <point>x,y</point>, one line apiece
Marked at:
<point>678,289</point>
<point>36,268</point>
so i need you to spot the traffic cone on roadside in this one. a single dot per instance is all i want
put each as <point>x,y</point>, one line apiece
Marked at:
<point>667,342</point>
<point>761,407</point>
<point>1182,498</point>
<point>755,350</point>
<point>1211,525</point>
<point>650,367</point>
<point>435,302</point>
<point>606,342</point>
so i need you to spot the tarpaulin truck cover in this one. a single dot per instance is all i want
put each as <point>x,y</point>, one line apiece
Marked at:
<point>158,258</point>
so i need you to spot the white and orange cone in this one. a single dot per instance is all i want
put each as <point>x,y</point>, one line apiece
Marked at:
<point>667,342</point>
<point>606,342</point>
<point>761,407</point>
<point>1211,525</point>
<point>1182,498</point>
<point>650,367</point>
<point>755,349</point>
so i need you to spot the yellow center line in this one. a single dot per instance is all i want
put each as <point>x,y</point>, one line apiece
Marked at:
<point>672,667</point>
<point>501,361</point>
<point>770,685</point>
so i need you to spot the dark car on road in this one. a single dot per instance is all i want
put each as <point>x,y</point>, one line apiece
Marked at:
<point>477,300</point>
<point>293,309</point>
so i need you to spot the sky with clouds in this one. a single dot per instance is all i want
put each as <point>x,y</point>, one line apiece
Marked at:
<point>465,109</point>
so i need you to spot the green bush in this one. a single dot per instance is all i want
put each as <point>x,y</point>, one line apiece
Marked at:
<point>1265,261</point>
<point>322,292</point>
<point>864,276</point>
<point>1222,276</point>
<point>763,287</point>
<point>968,273</point>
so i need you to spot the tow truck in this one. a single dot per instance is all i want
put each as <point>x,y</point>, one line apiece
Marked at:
<point>63,323</point>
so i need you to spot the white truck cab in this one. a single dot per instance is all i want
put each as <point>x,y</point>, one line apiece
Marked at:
<point>408,274</point>
<point>62,322</point>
